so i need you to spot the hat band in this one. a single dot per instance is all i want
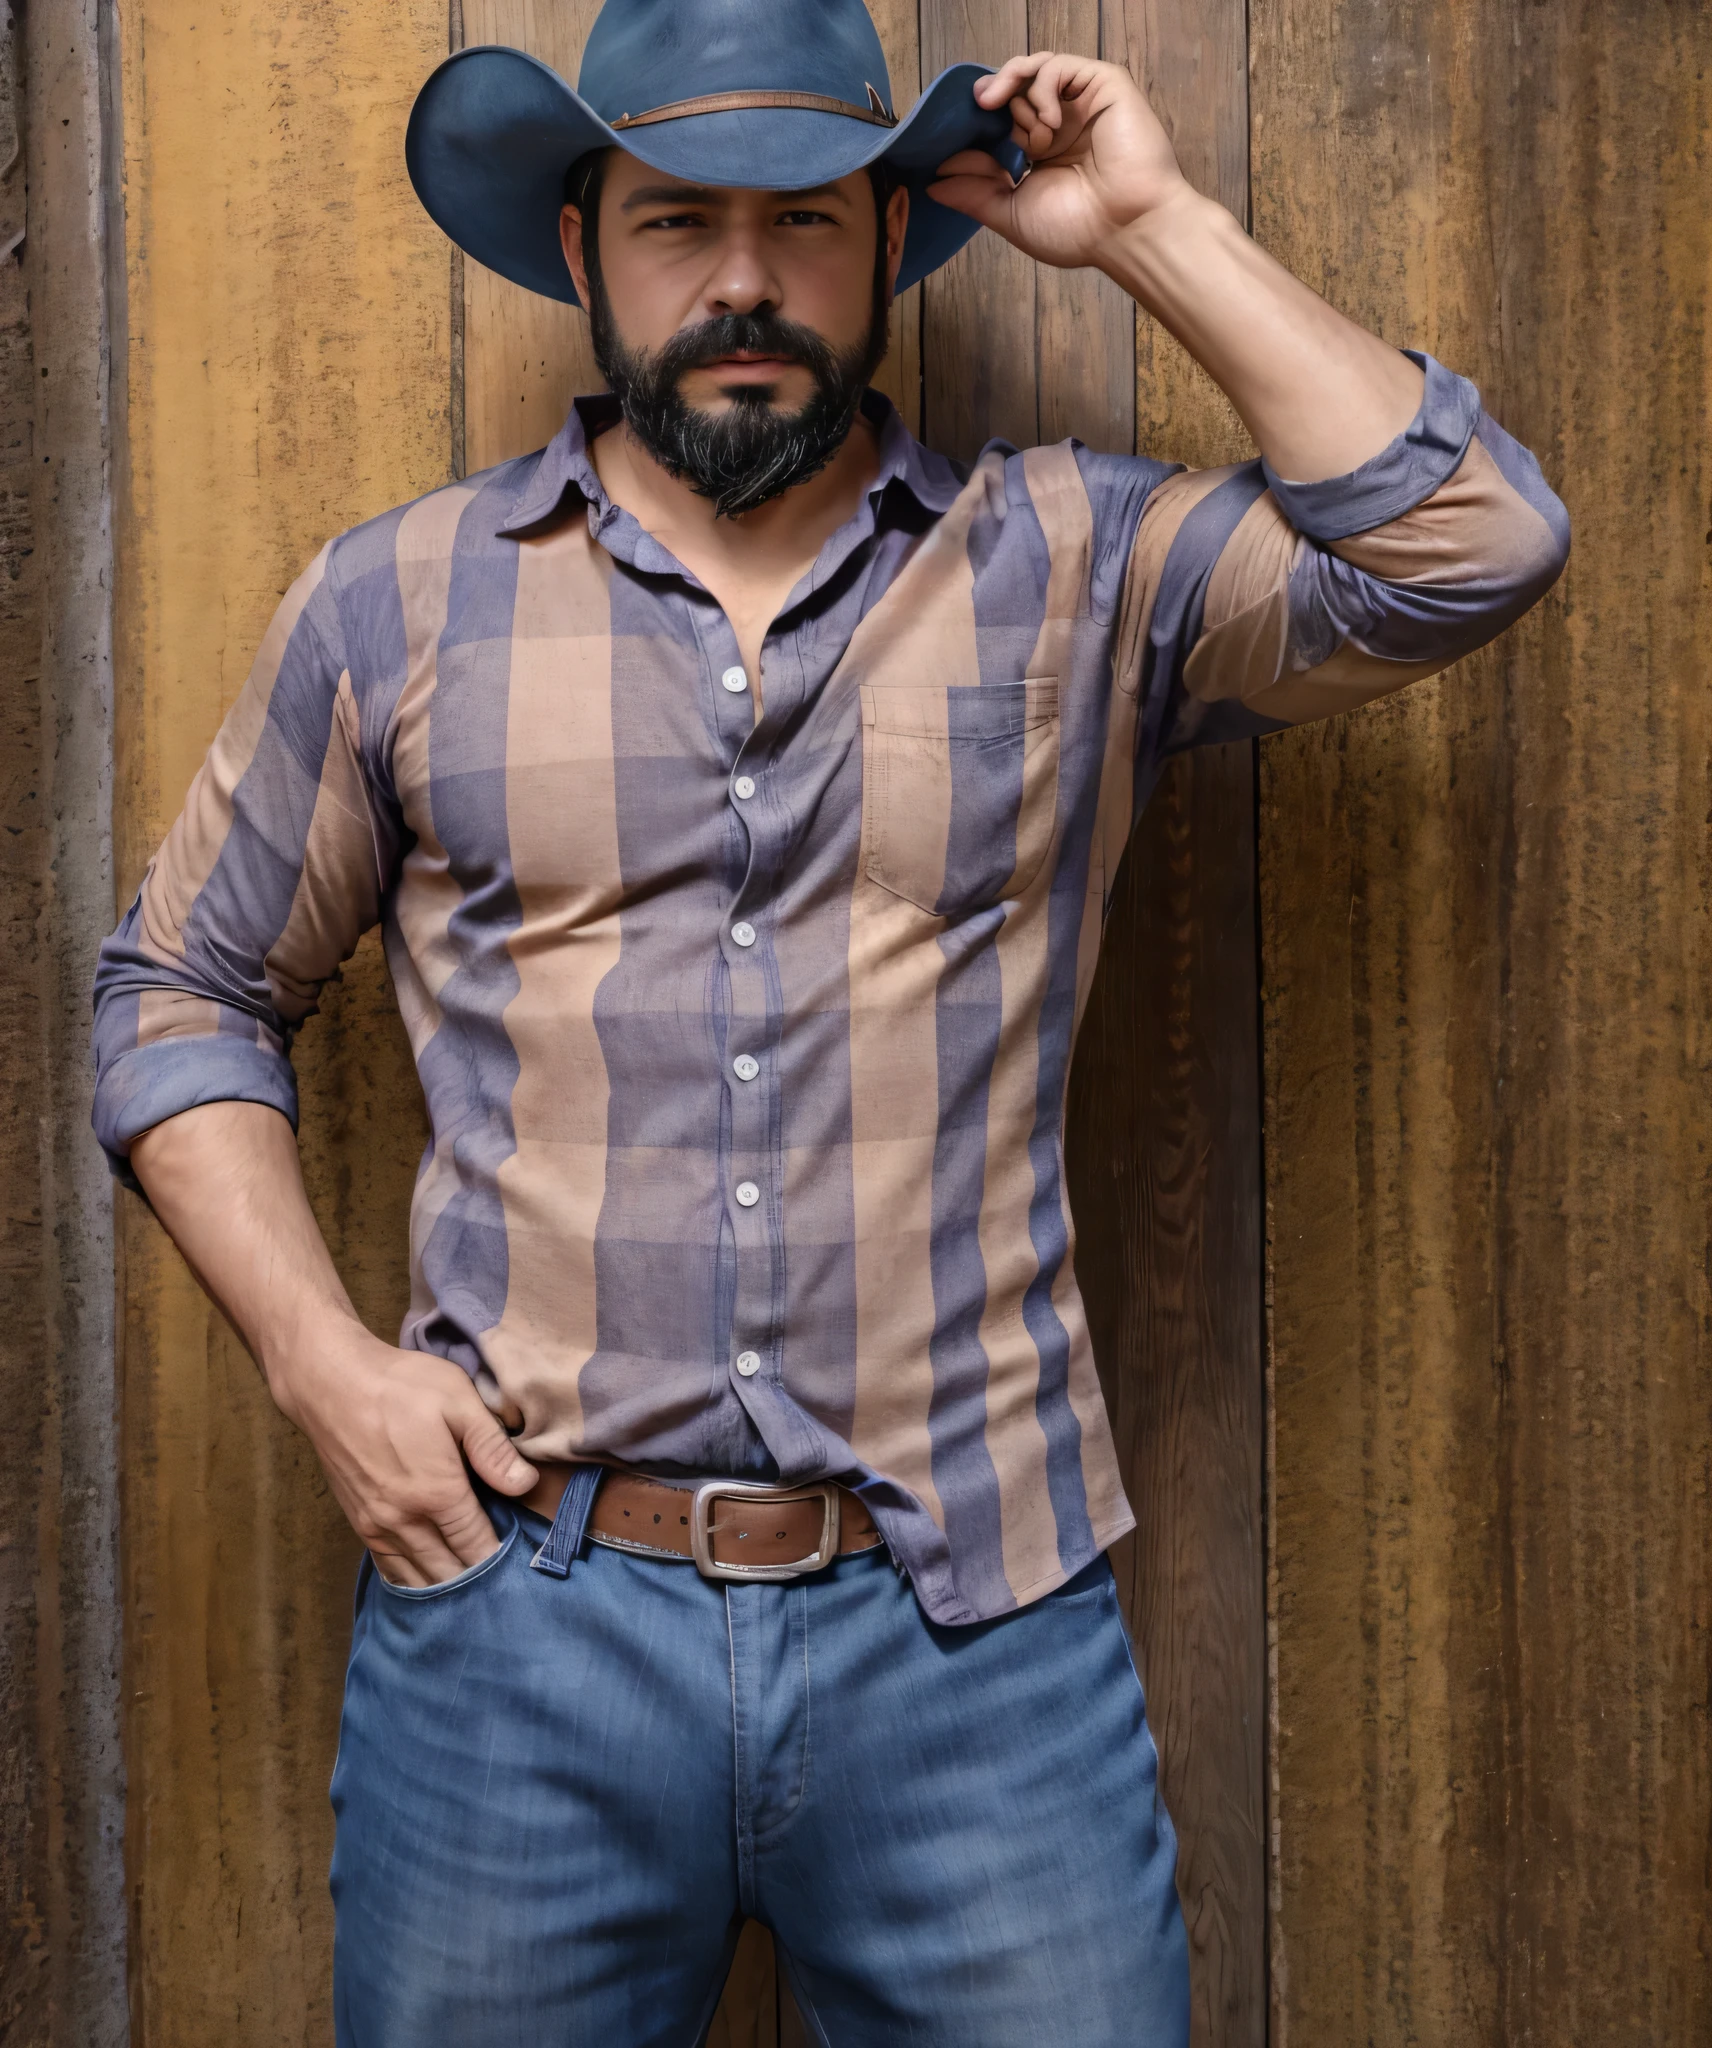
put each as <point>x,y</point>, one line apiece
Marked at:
<point>730,102</point>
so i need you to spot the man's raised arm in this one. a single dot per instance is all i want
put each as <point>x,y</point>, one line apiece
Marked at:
<point>1391,525</point>
<point>1319,394</point>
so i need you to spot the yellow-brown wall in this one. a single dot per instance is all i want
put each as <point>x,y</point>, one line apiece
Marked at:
<point>289,320</point>
<point>1483,911</point>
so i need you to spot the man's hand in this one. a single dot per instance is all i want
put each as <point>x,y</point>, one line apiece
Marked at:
<point>1318,394</point>
<point>1101,160</point>
<point>394,1430</point>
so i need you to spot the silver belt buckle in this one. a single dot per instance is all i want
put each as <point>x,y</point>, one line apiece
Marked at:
<point>701,1528</point>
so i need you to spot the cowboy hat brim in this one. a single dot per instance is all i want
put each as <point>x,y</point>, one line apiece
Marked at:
<point>494,131</point>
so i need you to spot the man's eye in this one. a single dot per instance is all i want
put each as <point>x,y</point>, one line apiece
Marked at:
<point>677,220</point>
<point>803,216</point>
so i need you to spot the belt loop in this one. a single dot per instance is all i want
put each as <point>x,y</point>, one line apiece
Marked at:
<point>570,1525</point>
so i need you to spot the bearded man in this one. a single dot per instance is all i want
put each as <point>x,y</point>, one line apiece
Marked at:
<point>740,788</point>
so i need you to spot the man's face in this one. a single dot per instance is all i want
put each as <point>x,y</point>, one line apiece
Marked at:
<point>675,255</point>
<point>737,328</point>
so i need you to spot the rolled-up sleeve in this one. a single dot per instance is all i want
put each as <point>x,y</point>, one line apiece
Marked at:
<point>1256,603</point>
<point>271,874</point>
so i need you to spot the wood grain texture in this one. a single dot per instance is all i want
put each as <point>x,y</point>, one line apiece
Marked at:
<point>1165,1154</point>
<point>288,370</point>
<point>62,1948</point>
<point>1487,984</point>
<point>525,357</point>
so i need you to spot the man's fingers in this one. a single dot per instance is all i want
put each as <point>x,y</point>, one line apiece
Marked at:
<point>983,196</point>
<point>491,1453</point>
<point>1009,79</point>
<point>466,1531</point>
<point>421,1556</point>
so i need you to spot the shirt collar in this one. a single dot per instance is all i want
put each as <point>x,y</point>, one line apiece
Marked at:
<point>565,466</point>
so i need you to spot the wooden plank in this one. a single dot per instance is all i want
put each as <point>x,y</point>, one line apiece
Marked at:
<point>1012,350</point>
<point>264,185</point>
<point>748,2015</point>
<point>1084,326</point>
<point>899,376</point>
<point>1487,974</point>
<point>978,370</point>
<point>525,357</point>
<point>1165,1155</point>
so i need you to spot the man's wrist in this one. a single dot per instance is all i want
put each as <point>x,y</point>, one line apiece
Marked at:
<point>1164,252</point>
<point>299,1363</point>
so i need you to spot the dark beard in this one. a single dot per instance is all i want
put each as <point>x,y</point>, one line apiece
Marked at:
<point>750,453</point>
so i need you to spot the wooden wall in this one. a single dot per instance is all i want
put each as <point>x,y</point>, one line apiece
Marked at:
<point>289,362</point>
<point>1481,917</point>
<point>1487,1002</point>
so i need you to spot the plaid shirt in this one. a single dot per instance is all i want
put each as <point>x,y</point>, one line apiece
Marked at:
<point>745,1038</point>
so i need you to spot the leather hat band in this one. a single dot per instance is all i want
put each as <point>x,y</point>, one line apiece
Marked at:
<point>733,102</point>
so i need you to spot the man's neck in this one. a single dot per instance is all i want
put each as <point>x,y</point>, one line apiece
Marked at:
<point>749,563</point>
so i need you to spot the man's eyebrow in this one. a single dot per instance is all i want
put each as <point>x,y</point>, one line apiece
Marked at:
<point>701,195</point>
<point>667,195</point>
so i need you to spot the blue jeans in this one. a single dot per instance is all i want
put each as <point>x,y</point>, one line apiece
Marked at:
<point>558,1799</point>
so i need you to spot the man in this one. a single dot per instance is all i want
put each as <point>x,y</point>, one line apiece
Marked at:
<point>740,788</point>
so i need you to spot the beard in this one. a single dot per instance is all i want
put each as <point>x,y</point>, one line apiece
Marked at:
<point>751,452</point>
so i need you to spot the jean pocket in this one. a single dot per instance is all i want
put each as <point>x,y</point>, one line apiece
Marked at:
<point>459,1581</point>
<point>959,790</point>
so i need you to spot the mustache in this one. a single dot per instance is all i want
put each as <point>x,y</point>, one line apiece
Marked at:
<point>764,333</point>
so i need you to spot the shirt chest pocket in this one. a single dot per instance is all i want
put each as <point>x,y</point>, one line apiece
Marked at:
<point>959,790</point>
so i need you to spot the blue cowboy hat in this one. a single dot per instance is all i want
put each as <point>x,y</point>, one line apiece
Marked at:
<point>778,95</point>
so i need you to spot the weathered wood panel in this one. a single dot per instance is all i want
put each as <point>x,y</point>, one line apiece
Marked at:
<point>62,1954</point>
<point>1487,984</point>
<point>288,363</point>
<point>1165,1139</point>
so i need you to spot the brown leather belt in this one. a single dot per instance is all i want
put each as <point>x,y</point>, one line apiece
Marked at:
<point>726,1528</point>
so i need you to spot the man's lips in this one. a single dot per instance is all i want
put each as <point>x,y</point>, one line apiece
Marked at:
<point>748,364</point>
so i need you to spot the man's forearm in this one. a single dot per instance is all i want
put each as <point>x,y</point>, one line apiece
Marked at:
<point>225,1181</point>
<point>392,1428</point>
<point>1319,394</point>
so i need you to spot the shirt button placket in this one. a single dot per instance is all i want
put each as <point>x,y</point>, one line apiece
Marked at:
<point>751,1117</point>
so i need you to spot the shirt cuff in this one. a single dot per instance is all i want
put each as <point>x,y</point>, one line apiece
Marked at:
<point>148,1084</point>
<point>1428,453</point>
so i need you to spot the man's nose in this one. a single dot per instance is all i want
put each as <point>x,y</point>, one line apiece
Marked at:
<point>742,281</point>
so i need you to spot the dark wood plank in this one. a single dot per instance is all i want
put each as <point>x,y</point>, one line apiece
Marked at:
<point>978,349</point>
<point>899,376</point>
<point>1084,325</point>
<point>1164,1129</point>
<point>1165,1159</point>
<point>1488,975</point>
<point>748,2015</point>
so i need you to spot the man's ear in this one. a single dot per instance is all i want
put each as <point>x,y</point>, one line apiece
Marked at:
<point>897,221</point>
<point>571,241</point>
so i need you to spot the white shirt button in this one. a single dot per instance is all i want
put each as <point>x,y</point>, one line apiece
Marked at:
<point>748,1194</point>
<point>743,934</point>
<point>745,1066</point>
<point>744,787</point>
<point>748,1363</point>
<point>734,679</point>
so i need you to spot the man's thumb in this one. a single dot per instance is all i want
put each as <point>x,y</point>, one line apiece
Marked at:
<point>494,1457</point>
